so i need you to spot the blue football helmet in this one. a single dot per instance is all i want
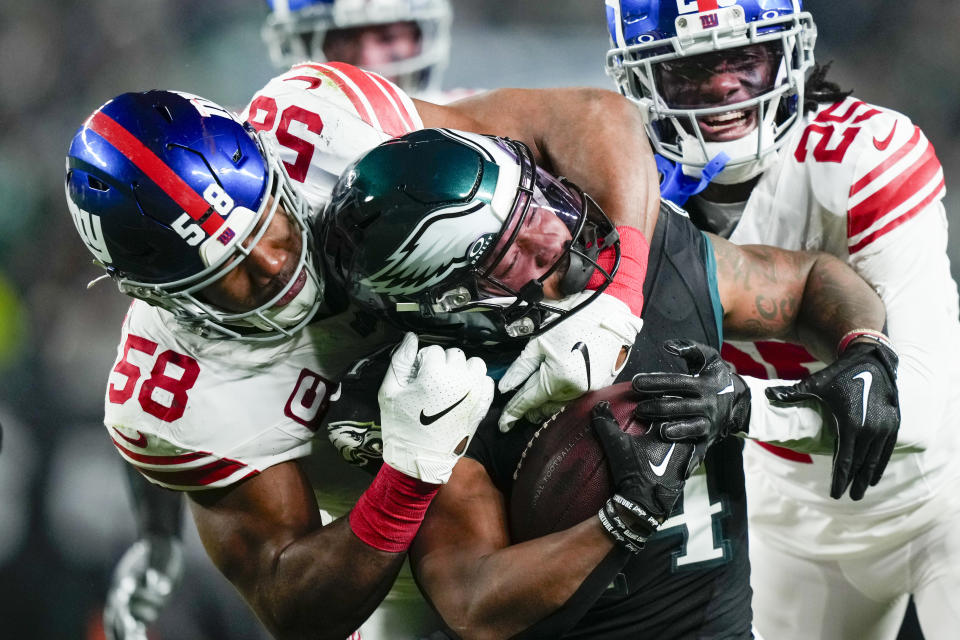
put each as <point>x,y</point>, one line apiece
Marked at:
<point>296,30</point>
<point>647,35</point>
<point>167,189</point>
<point>420,231</point>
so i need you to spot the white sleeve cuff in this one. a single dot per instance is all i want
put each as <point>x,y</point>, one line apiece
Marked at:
<point>800,426</point>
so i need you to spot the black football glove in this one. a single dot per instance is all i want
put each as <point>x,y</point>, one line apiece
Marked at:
<point>704,405</point>
<point>648,476</point>
<point>860,389</point>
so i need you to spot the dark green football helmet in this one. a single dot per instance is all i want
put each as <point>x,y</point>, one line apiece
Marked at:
<point>461,237</point>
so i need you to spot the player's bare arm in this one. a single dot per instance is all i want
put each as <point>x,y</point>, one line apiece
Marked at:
<point>266,537</point>
<point>571,132</point>
<point>305,580</point>
<point>481,584</point>
<point>809,297</point>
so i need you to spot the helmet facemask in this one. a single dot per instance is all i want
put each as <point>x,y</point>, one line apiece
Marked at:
<point>184,297</point>
<point>520,306</point>
<point>639,70</point>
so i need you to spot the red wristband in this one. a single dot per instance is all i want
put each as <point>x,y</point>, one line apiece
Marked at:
<point>873,334</point>
<point>388,514</point>
<point>627,284</point>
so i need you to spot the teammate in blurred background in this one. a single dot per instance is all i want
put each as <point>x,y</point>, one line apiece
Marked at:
<point>769,151</point>
<point>320,116</point>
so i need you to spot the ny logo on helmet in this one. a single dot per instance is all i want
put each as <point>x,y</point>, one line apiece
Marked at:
<point>90,230</point>
<point>693,6</point>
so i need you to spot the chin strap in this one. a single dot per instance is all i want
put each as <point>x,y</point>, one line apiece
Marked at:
<point>677,187</point>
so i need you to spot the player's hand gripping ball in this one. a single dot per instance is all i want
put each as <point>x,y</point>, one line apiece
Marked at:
<point>566,474</point>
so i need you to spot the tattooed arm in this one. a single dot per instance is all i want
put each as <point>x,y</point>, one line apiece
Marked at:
<point>805,297</point>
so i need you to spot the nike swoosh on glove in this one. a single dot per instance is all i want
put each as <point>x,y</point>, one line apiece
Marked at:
<point>431,402</point>
<point>860,389</point>
<point>577,355</point>
<point>648,475</point>
<point>706,404</point>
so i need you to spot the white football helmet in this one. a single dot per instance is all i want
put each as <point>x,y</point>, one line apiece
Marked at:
<point>296,30</point>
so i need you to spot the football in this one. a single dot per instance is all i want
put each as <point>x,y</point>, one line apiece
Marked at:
<point>562,476</point>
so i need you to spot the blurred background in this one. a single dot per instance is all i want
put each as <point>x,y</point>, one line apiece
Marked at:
<point>64,513</point>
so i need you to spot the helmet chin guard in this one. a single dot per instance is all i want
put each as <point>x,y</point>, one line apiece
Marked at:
<point>646,34</point>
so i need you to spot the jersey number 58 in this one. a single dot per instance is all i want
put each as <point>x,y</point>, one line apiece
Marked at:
<point>164,393</point>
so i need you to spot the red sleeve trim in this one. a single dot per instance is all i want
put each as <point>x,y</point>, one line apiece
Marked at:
<point>907,184</point>
<point>937,193</point>
<point>373,105</point>
<point>200,477</point>
<point>895,157</point>
<point>160,460</point>
<point>396,99</point>
<point>197,475</point>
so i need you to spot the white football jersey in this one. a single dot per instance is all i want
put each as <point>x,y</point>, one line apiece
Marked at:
<point>864,184</point>
<point>193,413</point>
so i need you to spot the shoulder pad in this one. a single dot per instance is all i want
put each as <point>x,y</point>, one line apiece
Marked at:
<point>870,163</point>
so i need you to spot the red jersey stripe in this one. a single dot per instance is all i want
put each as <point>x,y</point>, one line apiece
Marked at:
<point>787,454</point>
<point>786,359</point>
<point>899,220</point>
<point>347,90</point>
<point>160,460</point>
<point>886,164</point>
<point>155,168</point>
<point>198,477</point>
<point>743,362</point>
<point>391,90</point>
<point>894,194</point>
<point>385,110</point>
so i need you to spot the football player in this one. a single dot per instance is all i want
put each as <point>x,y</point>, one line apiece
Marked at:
<point>231,349</point>
<point>457,236</point>
<point>769,151</point>
<point>406,41</point>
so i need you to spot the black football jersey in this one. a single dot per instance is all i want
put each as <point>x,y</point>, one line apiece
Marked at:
<point>692,579</point>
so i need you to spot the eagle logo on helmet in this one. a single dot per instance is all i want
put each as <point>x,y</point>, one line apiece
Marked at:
<point>438,246</point>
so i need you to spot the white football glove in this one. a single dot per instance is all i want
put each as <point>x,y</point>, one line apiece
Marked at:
<point>431,402</point>
<point>142,583</point>
<point>578,355</point>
